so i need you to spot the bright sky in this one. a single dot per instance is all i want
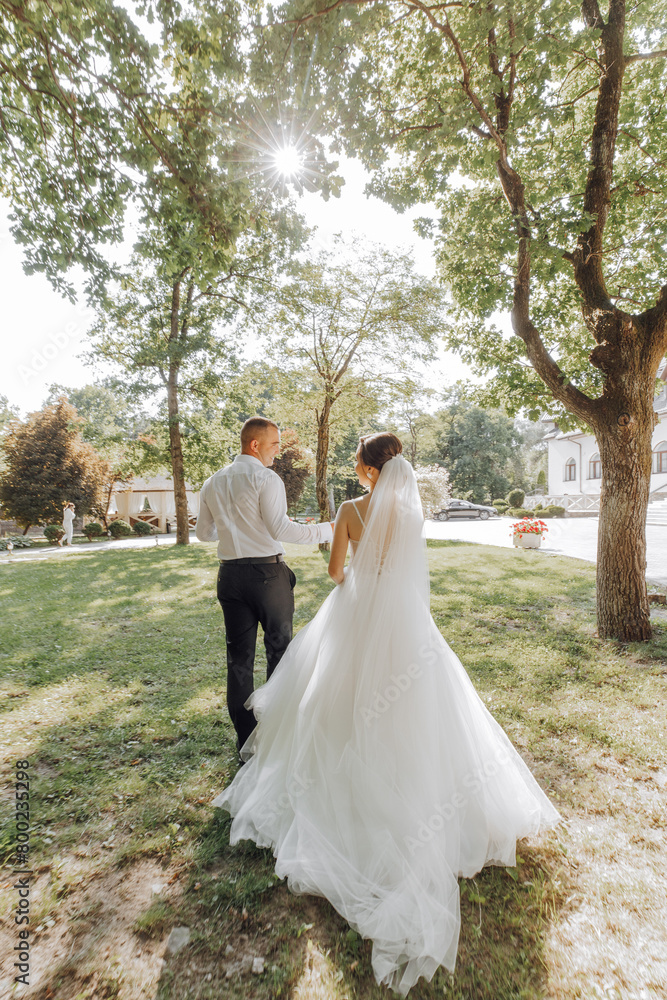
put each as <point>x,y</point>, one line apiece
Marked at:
<point>44,335</point>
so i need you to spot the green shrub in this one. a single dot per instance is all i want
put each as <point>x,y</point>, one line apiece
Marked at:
<point>515,498</point>
<point>93,530</point>
<point>518,512</point>
<point>143,528</point>
<point>53,533</point>
<point>18,541</point>
<point>553,510</point>
<point>120,529</point>
<point>500,504</point>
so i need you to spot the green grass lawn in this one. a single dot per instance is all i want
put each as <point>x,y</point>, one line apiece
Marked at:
<point>113,688</point>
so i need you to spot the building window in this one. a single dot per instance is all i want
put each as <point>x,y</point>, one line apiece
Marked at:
<point>660,457</point>
<point>570,471</point>
<point>595,467</point>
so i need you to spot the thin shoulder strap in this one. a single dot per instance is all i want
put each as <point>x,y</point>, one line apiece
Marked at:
<point>358,514</point>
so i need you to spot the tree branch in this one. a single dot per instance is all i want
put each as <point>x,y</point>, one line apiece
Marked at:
<point>588,255</point>
<point>548,370</point>
<point>641,56</point>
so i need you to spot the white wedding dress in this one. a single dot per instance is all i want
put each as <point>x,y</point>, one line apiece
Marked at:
<point>375,773</point>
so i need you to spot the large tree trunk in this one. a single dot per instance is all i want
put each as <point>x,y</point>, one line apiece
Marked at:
<point>321,463</point>
<point>628,351</point>
<point>624,437</point>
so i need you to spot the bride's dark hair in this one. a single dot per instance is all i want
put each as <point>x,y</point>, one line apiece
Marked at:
<point>377,449</point>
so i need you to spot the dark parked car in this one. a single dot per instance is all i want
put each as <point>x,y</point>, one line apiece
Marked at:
<point>463,508</point>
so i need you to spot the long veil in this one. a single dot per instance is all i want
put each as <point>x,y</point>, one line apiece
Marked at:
<point>392,550</point>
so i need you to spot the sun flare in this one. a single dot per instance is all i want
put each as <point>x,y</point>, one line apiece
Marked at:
<point>288,161</point>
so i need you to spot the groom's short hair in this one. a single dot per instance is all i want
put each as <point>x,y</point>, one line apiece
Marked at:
<point>253,428</point>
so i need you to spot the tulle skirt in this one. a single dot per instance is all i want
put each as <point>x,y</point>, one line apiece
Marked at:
<point>378,777</point>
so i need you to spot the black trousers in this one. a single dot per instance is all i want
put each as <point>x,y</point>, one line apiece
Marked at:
<point>253,594</point>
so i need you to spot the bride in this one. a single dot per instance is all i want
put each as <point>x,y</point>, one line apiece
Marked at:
<point>375,772</point>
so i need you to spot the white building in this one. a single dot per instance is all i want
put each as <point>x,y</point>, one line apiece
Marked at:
<point>152,500</point>
<point>575,472</point>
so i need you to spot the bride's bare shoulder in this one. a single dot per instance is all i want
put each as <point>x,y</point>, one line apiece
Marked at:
<point>362,502</point>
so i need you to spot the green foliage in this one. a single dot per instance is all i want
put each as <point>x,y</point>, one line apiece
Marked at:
<point>209,437</point>
<point>542,478</point>
<point>518,512</point>
<point>119,528</point>
<point>97,117</point>
<point>93,530</point>
<point>53,533</point>
<point>142,528</point>
<point>18,541</point>
<point>105,414</point>
<point>421,99</point>
<point>7,414</point>
<point>553,510</point>
<point>478,448</point>
<point>515,498</point>
<point>500,504</point>
<point>375,319</point>
<point>293,467</point>
<point>47,464</point>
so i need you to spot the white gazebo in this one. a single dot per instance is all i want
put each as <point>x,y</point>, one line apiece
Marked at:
<point>152,500</point>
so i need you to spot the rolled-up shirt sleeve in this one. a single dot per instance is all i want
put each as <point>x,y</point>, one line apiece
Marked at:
<point>273,509</point>
<point>205,529</point>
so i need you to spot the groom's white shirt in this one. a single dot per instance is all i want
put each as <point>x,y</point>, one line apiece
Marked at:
<point>244,506</point>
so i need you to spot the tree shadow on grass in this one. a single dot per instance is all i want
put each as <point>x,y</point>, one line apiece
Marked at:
<point>125,748</point>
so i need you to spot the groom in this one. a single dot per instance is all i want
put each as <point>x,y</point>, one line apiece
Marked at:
<point>244,506</point>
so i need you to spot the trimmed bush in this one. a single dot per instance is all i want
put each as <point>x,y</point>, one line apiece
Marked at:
<point>553,510</point>
<point>143,528</point>
<point>120,529</point>
<point>519,512</point>
<point>500,503</point>
<point>53,533</point>
<point>93,530</point>
<point>515,498</point>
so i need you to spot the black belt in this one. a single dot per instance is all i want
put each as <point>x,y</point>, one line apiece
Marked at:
<point>250,560</point>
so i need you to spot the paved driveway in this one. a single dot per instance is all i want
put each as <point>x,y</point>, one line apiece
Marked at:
<point>569,536</point>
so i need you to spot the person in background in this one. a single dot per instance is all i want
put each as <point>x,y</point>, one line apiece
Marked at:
<point>68,524</point>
